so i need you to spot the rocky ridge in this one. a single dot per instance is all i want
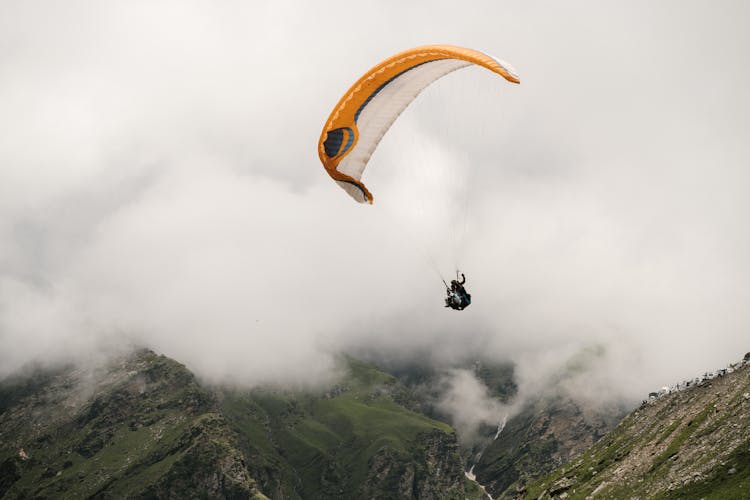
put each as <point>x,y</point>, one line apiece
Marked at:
<point>142,428</point>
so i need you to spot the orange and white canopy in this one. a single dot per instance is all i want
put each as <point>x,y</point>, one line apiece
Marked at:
<point>368,109</point>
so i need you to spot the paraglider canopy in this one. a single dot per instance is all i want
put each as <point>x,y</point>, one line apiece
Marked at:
<point>368,109</point>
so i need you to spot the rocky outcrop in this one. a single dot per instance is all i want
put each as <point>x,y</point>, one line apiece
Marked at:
<point>440,474</point>
<point>436,473</point>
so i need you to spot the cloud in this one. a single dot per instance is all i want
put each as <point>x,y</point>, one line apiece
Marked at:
<point>160,186</point>
<point>469,404</point>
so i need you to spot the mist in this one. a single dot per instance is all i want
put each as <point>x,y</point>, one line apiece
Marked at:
<point>159,186</point>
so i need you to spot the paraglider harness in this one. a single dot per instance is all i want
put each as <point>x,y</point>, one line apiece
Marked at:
<point>458,298</point>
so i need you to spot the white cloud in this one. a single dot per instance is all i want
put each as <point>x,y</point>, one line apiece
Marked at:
<point>159,182</point>
<point>469,404</point>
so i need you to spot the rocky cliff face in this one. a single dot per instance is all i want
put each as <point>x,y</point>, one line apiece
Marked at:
<point>690,443</point>
<point>435,474</point>
<point>547,433</point>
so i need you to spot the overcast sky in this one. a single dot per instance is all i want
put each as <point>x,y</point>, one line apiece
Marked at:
<point>159,185</point>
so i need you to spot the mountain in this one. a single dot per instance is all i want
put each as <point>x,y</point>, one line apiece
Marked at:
<point>144,427</point>
<point>689,441</point>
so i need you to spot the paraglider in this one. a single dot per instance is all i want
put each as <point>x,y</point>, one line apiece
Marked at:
<point>368,109</point>
<point>458,298</point>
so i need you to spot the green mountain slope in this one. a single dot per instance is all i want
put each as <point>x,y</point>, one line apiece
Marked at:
<point>351,441</point>
<point>693,443</point>
<point>145,428</point>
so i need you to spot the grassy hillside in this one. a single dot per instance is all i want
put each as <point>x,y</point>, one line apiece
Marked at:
<point>694,443</point>
<point>351,440</point>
